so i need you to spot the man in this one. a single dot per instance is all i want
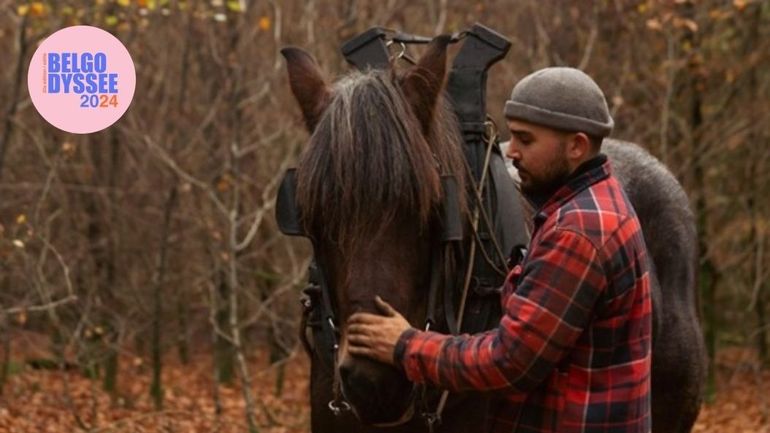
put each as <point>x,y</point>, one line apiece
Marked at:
<point>572,350</point>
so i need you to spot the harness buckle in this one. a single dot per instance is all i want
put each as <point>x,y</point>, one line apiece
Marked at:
<point>432,419</point>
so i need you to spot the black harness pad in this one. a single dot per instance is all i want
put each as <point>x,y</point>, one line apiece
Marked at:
<point>286,212</point>
<point>451,219</point>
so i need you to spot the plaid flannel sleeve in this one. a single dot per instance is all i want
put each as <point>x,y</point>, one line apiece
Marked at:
<point>543,317</point>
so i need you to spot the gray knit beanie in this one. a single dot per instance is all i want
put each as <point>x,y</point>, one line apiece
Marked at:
<point>561,98</point>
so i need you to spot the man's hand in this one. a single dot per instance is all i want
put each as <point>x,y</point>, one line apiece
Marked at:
<point>376,336</point>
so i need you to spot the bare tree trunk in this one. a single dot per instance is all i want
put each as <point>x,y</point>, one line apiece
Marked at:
<point>105,258</point>
<point>182,312</point>
<point>235,330</point>
<point>224,355</point>
<point>216,346</point>
<point>183,344</point>
<point>758,286</point>
<point>756,192</point>
<point>156,389</point>
<point>708,274</point>
<point>233,244</point>
<point>5,367</point>
<point>11,112</point>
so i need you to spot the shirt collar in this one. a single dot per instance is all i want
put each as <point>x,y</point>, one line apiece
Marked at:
<point>587,174</point>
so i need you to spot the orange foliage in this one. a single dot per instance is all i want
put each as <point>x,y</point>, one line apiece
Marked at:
<point>49,401</point>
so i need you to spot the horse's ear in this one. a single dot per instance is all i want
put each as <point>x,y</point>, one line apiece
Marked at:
<point>422,84</point>
<point>307,84</point>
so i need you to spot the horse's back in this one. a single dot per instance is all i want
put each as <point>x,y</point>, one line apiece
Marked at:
<point>679,361</point>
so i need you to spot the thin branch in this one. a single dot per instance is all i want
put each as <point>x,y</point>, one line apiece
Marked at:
<point>267,206</point>
<point>186,176</point>
<point>45,307</point>
<point>264,306</point>
<point>594,32</point>
<point>441,21</point>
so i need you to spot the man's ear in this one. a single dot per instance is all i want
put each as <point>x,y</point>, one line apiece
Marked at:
<point>579,146</point>
<point>422,84</point>
<point>307,84</point>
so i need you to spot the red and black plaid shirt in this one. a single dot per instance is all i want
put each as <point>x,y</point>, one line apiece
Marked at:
<point>572,350</point>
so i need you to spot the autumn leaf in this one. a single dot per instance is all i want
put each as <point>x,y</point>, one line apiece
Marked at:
<point>68,148</point>
<point>21,219</point>
<point>223,185</point>
<point>21,318</point>
<point>264,23</point>
<point>654,24</point>
<point>729,76</point>
<point>147,4</point>
<point>37,9</point>
<point>234,5</point>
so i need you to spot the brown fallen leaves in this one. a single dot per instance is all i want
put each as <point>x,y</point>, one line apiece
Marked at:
<point>742,402</point>
<point>53,401</point>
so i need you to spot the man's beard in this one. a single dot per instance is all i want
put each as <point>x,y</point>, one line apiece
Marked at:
<point>540,188</point>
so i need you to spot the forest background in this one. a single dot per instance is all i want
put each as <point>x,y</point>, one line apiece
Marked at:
<point>144,285</point>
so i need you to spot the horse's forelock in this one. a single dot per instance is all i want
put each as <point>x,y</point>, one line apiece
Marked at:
<point>367,161</point>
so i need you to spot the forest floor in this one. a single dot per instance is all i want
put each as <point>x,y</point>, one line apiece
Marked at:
<point>37,400</point>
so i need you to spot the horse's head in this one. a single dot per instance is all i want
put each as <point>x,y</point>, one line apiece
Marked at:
<point>369,190</point>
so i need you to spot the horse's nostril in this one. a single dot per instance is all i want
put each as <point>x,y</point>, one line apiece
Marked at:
<point>355,383</point>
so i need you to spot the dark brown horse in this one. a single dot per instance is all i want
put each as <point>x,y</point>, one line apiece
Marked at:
<point>369,190</point>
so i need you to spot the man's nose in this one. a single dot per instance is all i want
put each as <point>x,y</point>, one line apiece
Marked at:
<point>511,152</point>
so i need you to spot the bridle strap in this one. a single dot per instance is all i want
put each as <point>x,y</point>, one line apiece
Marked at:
<point>433,290</point>
<point>337,405</point>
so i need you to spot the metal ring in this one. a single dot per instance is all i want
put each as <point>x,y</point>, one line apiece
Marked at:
<point>403,51</point>
<point>339,406</point>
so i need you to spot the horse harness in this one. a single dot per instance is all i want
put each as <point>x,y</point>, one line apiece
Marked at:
<point>485,271</point>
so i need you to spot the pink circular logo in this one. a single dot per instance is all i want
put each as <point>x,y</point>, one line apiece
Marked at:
<point>81,79</point>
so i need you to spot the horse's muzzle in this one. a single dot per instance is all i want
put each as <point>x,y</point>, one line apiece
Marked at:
<point>379,394</point>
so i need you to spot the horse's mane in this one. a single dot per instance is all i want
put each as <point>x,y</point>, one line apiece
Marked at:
<point>368,162</point>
